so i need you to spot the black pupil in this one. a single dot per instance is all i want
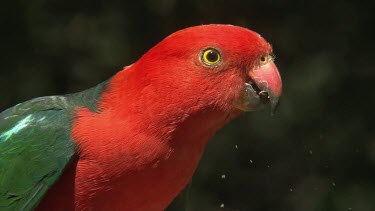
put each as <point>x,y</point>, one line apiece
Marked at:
<point>212,56</point>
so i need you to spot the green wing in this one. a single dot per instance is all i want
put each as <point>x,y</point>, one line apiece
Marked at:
<point>35,148</point>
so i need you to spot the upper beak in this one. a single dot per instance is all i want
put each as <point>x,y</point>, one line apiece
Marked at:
<point>264,87</point>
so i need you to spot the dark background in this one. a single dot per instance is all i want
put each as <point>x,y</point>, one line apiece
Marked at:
<point>317,153</point>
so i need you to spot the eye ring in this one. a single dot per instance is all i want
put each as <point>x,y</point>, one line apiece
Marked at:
<point>211,57</point>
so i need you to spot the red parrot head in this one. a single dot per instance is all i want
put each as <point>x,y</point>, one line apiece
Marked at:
<point>209,68</point>
<point>226,66</point>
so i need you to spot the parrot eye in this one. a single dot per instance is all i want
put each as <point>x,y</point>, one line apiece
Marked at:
<point>210,57</point>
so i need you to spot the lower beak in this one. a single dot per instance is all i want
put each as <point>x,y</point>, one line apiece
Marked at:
<point>264,87</point>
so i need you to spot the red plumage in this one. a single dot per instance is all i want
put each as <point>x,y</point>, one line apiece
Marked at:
<point>155,120</point>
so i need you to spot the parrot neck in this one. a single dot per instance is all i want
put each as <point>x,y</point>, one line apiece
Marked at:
<point>163,112</point>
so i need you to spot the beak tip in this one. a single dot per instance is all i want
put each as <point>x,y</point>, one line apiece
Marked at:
<point>274,105</point>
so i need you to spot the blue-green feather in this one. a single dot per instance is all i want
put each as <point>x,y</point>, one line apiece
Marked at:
<point>36,146</point>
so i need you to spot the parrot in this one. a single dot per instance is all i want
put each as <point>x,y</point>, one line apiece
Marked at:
<point>134,141</point>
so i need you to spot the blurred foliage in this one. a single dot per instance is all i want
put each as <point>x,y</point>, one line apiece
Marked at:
<point>317,153</point>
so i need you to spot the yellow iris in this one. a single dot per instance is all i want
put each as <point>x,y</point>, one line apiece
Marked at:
<point>211,57</point>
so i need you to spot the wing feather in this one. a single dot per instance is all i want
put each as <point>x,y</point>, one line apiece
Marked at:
<point>35,148</point>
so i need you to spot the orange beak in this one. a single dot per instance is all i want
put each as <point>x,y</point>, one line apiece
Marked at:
<point>264,87</point>
<point>268,81</point>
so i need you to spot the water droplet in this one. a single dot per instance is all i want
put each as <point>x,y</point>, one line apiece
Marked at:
<point>236,146</point>
<point>310,152</point>
<point>291,189</point>
<point>222,205</point>
<point>251,161</point>
<point>223,176</point>
<point>333,184</point>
